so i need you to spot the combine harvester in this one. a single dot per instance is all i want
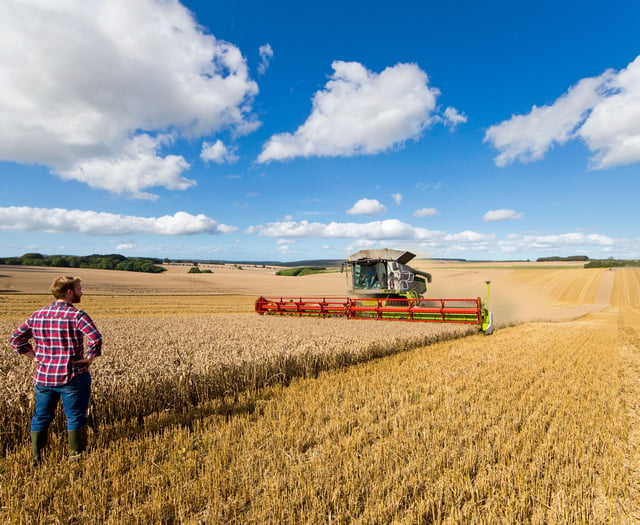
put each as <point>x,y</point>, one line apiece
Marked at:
<point>385,289</point>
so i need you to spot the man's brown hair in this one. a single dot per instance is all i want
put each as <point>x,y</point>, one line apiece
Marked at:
<point>63,283</point>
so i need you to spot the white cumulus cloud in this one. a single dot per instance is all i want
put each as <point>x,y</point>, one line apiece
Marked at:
<point>602,111</point>
<point>360,112</point>
<point>126,246</point>
<point>557,242</point>
<point>501,215</point>
<point>80,80</point>
<point>58,220</point>
<point>452,117</point>
<point>266,54</point>
<point>391,229</point>
<point>218,152</point>
<point>284,245</point>
<point>131,169</point>
<point>425,212</point>
<point>612,130</point>
<point>367,207</point>
<point>397,198</point>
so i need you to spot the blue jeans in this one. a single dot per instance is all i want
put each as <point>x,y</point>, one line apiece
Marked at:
<point>75,401</point>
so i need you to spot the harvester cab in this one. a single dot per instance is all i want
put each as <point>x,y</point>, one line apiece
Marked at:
<point>384,273</point>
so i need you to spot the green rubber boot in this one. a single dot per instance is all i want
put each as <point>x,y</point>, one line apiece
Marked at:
<point>77,442</point>
<point>38,442</point>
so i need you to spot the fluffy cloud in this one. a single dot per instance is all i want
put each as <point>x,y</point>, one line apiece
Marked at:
<point>425,212</point>
<point>603,111</point>
<point>561,241</point>
<point>391,229</point>
<point>397,198</point>
<point>80,80</point>
<point>393,232</point>
<point>126,246</point>
<point>360,112</point>
<point>367,207</point>
<point>266,54</point>
<point>612,130</point>
<point>134,167</point>
<point>452,117</point>
<point>218,152</point>
<point>284,245</point>
<point>501,215</point>
<point>57,220</point>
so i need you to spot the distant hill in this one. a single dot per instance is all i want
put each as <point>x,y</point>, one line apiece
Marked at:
<point>327,263</point>
<point>571,258</point>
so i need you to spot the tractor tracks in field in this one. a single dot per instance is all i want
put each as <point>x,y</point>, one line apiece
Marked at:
<point>626,300</point>
<point>628,321</point>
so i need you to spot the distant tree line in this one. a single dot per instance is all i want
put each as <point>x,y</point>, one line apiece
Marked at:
<point>593,263</point>
<point>98,262</point>
<point>191,261</point>
<point>611,263</point>
<point>299,272</point>
<point>569,259</point>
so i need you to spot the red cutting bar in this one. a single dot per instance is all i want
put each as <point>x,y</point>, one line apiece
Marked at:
<point>425,310</point>
<point>434,310</point>
<point>322,306</point>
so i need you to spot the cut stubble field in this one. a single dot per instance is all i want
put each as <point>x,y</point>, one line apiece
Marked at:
<point>208,413</point>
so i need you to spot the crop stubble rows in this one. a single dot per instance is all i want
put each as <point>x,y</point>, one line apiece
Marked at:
<point>516,428</point>
<point>536,424</point>
<point>161,363</point>
<point>569,286</point>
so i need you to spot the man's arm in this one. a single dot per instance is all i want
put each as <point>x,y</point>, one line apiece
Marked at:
<point>30,354</point>
<point>19,340</point>
<point>93,336</point>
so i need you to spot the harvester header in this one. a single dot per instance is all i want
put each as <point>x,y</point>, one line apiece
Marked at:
<point>385,289</point>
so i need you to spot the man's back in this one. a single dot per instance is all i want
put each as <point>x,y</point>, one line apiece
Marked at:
<point>58,331</point>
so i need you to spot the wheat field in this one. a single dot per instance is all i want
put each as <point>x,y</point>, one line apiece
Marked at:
<point>205,416</point>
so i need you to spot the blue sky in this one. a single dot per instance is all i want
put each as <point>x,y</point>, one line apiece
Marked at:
<point>291,130</point>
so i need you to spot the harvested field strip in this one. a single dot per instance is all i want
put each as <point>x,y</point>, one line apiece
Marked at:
<point>567,286</point>
<point>539,423</point>
<point>527,426</point>
<point>625,299</point>
<point>153,364</point>
<point>626,290</point>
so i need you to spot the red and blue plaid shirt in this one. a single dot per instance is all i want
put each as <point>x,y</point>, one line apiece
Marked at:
<point>58,331</point>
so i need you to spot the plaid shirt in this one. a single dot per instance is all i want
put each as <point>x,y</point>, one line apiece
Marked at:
<point>58,331</point>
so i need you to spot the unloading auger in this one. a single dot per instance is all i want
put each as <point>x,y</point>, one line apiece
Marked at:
<point>386,289</point>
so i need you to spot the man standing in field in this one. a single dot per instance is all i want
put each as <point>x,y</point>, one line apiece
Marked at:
<point>62,370</point>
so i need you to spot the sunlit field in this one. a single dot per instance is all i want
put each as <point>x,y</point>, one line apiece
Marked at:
<point>159,363</point>
<point>212,414</point>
